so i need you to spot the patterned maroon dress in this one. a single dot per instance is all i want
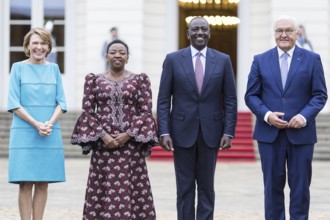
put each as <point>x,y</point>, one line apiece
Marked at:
<point>118,185</point>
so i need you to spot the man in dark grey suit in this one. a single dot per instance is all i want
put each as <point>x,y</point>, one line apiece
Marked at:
<point>197,114</point>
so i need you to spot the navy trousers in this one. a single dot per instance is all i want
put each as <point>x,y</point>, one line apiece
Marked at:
<point>195,166</point>
<point>281,160</point>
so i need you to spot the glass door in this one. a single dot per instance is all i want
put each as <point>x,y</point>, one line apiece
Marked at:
<point>52,15</point>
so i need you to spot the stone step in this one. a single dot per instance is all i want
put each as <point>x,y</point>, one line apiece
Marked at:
<point>321,156</point>
<point>243,135</point>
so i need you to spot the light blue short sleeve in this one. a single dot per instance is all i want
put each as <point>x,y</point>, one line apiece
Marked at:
<point>60,96</point>
<point>14,93</point>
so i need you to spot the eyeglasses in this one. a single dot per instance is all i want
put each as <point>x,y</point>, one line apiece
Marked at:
<point>286,31</point>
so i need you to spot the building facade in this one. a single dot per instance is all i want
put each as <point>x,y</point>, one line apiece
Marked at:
<point>151,28</point>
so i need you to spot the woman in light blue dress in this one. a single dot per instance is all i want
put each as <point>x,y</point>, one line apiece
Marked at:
<point>36,99</point>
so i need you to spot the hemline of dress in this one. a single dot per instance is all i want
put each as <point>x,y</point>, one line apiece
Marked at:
<point>36,181</point>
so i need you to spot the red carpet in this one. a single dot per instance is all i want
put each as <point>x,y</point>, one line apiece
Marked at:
<point>242,149</point>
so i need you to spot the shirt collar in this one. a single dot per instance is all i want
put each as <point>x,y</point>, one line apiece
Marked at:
<point>194,51</point>
<point>290,52</point>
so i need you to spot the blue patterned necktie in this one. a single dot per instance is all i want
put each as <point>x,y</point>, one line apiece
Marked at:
<point>199,71</point>
<point>284,68</point>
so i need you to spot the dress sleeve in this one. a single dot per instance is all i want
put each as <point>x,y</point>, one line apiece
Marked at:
<point>87,131</point>
<point>143,128</point>
<point>60,96</point>
<point>14,93</point>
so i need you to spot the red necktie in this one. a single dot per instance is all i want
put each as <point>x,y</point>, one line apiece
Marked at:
<point>199,72</point>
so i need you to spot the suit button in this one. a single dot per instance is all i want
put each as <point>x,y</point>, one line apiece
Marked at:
<point>197,117</point>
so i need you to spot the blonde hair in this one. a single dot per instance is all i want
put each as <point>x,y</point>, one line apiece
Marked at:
<point>45,36</point>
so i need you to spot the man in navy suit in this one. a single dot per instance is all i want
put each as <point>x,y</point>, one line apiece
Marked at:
<point>285,113</point>
<point>196,122</point>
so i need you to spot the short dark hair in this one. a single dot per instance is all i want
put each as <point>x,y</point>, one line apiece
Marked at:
<point>113,29</point>
<point>195,18</point>
<point>117,42</point>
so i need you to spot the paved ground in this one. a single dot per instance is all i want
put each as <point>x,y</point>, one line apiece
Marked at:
<point>239,191</point>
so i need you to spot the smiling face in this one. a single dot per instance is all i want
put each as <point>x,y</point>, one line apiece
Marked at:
<point>199,33</point>
<point>117,56</point>
<point>286,34</point>
<point>38,48</point>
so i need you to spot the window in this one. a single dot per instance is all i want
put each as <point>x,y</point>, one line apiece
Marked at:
<point>52,17</point>
<point>20,24</point>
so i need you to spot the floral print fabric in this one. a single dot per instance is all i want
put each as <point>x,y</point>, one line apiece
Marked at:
<point>118,185</point>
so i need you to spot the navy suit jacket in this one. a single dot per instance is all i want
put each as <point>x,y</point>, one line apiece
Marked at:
<point>305,93</point>
<point>181,110</point>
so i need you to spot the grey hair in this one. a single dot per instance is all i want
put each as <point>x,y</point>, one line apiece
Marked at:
<point>286,18</point>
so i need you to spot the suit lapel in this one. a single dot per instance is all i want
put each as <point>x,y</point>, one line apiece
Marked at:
<point>188,67</point>
<point>275,68</point>
<point>209,67</point>
<point>295,62</point>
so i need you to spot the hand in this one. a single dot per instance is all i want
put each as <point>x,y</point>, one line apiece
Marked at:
<point>296,122</point>
<point>274,120</point>
<point>49,127</point>
<point>166,143</point>
<point>121,138</point>
<point>225,143</point>
<point>44,129</point>
<point>109,142</point>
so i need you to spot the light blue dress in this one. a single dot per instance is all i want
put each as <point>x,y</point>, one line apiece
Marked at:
<point>38,89</point>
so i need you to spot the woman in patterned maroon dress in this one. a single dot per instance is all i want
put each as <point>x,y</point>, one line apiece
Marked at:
<point>117,124</point>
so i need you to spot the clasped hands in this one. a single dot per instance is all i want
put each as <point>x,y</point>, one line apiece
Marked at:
<point>295,122</point>
<point>113,141</point>
<point>44,129</point>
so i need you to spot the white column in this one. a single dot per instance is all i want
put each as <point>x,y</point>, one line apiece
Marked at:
<point>4,48</point>
<point>172,18</point>
<point>243,54</point>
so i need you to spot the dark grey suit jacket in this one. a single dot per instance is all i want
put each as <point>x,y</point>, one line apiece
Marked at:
<point>181,110</point>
